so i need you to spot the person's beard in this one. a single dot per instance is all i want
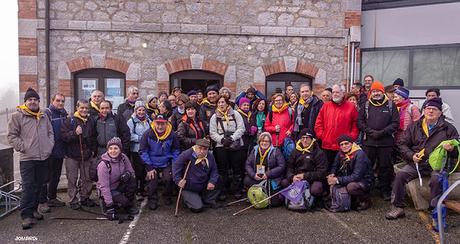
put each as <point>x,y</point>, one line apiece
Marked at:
<point>337,100</point>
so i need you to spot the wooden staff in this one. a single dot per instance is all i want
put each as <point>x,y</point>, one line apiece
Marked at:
<point>180,190</point>
<point>237,201</point>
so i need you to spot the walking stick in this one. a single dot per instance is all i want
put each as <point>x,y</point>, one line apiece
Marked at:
<point>237,201</point>
<point>79,183</point>
<point>180,190</point>
<point>261,201</point>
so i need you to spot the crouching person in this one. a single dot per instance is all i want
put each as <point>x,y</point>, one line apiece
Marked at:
<point>352,169</point>
<point>266,162</point>
<point>116,181</point>
<point>417,143</point>
<point>199,182</point>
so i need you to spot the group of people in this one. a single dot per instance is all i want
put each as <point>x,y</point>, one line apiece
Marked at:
<point>213,147</point>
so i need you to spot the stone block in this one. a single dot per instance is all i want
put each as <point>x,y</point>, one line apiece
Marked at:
<point>300,31</point>
<point>28,65</point>
<point>273,30</point>
<point>63,71</point>
<point>162,73</point>
<point>171,27</point>
<point>98,25</point>
<point>77,24</point>
<point>27,28</point>
<point>252,30</point>
<point>259,75</point>
<point>290,63</point>
<point>197,61</point>
<point>192,28</point>
<point>217,29</point>
<point>58,24</point>
<point>230,74</point>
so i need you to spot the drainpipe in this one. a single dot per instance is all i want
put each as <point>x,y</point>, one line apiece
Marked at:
<point>47,51</point>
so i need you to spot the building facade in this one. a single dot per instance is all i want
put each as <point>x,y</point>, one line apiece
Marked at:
<point>73,46</point>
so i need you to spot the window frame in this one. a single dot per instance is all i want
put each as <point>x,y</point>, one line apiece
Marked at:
<point>385,4</point>
<point>288,78</point>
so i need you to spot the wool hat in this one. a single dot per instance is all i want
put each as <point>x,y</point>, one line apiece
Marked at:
<point>151,97</point>
<point>139,104</point>
<point>399,82</point>
<point>115,141</point>
<point>306,132</point>
<point>343,138</point>
<point>31,93</point>
<point>212,88</point>
<point>225,89</point>
<point>377,85</point>
<point>244,100</point>
<point>403,92</point>
<point>191,93</point>
<point>434,102</point>
<point>160,118</point>
<point>203,143</point>
<point>264,134</point>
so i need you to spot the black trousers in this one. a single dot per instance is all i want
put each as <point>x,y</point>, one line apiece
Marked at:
<point>166,178</point>
<point>49,190</point>
<point>230,160</point>
<point>384,157</point>
<point>123,196</point>
<point>330,155</point>
<point>139,170</point>
<point>33,174</point>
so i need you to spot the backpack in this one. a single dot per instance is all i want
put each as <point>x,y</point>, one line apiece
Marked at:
<point>340,199</point>
<point>257,193</point>
<point>366,108</point>
<point>438,156</point>
<point>270,114</point>
<point>305,202</point>
<point>93,169</point>
<point>236,144</point>
<point>288,147</point>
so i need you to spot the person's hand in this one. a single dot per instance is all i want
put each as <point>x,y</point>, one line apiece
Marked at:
<point>277,128</point>
<point>227,141</point>
<point>288,133</point>
<point>210,187</point>
<point>332,180</point>
<point>416,158</point>
<point>448,147</point>
<point>257,177</point>
<point>125,177</point>
<point>181,183</point>
<point>264,177</point>
<point>253,130</point>
<point>151,175</point>
<point>297,177</point>
<point>78,130</point>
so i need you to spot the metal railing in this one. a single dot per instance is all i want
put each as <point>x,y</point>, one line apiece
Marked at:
<point>9,199</point>
<point>5,115</point>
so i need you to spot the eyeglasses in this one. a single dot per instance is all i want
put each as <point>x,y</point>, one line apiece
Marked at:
<point>59,100</point>
<point>345,143</point>
<point>278,100</point>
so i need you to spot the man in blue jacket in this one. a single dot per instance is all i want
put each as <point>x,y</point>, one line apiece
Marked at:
<point>159,147</point>
<point>199,184</point>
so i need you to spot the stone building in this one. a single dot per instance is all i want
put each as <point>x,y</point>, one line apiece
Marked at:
<point>74,46</point>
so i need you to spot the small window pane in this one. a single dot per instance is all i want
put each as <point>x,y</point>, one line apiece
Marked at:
<point>439,66</point>
<point>272,85</point>
<point>386,66</point>
<point>86,86</point>
<point>114,91</point>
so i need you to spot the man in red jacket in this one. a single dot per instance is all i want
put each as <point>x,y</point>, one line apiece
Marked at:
<point>336,118</point>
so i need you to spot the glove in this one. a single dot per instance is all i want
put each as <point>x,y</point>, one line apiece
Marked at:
<point>379,133</point>
<point>125,177</point>
<point>371,133</point>
<point>253,130</point>
<point>227,141</point>
<point>110,212</point>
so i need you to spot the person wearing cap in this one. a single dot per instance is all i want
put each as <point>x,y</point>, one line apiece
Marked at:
<point>446,110</point>
<point>109,126</point>
<point>159,147</point>
<point>126,109</point>
<point>307,162</point>
<point>307,109</point>
<point>78,133</point>
<point>199,184</point>
<point>398,83</point>
<point>209,104</point>
<point>94,102</point>
<point>252,94</point>
<point>353,170</point>
<point>408,112</point>
<point>226,92</point>
<point>138,124</point>
<point>151,106</point>
<point>191,128</point>
<point>334,119</point>
<point>179,111</point>
<point>266,162</point>
<point>30,132</point>
<point>116,181</point>
<point>192,96</point>
<point>379,120</point>
<point>416,145</point>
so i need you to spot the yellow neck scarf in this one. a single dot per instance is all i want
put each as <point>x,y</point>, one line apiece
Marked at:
<point>263,156</point>
<point>276,110</point>
<point>77,115</point>
<point>37,115</point>
<point>377,104</point>
<point>248,115</point>
<point>298,146</point>
<point>225,113</point>
<point>355,147</point>
<point>425,127</point>
<point>206,101</point>
<point>199,160</point>
<point>165,135</point>
<point>93,105</point>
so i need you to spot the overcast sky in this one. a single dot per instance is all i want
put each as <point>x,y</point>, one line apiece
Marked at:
<point>9,78</point>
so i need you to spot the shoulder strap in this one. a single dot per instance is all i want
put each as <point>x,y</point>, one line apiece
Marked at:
<point>134,123</point>
<point>270,116</point>
<point>290,113</point>
<point>366,109</point>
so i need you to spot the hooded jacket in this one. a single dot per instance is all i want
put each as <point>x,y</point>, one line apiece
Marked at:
<point>274,163</point>
<point>284,118</point>
<point>312,163</point>
<point>353,167</point>
<point>156,153</point>
<point>234,126</point>
<point>72,140</point>
<point>57,117</point>
<point>137,129</point>
<point>188,131</point>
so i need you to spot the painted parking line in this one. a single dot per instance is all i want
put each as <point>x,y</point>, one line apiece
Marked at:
<point>427,223</point>
<point>133,224</point>
<point>346,226</point>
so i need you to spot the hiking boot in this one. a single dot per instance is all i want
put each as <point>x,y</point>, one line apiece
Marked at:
<point>132,210</point>
<point>212,205</point>
<point>222,197</point>
<point>168,201</point>
<point>395,213</point>
<point>38,216</point>
<point>363,205</point>
<point>55,203</point>
<point>386,196</point>
<point>75,206</point>
<point>88,203</point>
<point>153,205</point>
<point>196,210</point>
<point>44,208</point>
<point>238,196</point>
<point>27,223</point>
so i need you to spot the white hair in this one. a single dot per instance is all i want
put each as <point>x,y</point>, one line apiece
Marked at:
<point>132,89</point>
<point>338,87</point>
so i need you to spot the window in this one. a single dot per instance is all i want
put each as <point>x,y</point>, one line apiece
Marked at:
<point>195,80</point>
<point>382,4</point>
<point>111,82</point>
<point>385,66</point>
<point>440,66</point>
<point>282,80</point>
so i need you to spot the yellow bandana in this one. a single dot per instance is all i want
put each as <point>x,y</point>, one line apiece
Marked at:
<point>199,160</point>
<point>354,148</point>
<point>298,146</point>
<point>37,115</point>
<point>377,104</point>
<point>262,156</point>
<point>305,105</point>
<point>206,101</point>
<point>165,135</point>
<point>248,115</point>
<point>276,110</point>
<point>93,105</point>
<point>77,115</point>
<point>425,127</point>
<point>225,113</point>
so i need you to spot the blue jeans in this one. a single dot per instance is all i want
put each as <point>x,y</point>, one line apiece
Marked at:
<point>34,174</point>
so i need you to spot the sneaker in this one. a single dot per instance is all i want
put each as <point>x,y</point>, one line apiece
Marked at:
<point>395,213</point>
<point>88,203</point>
<point>152,205</point>
<point>75,206</point>
<point>38,216</point>
<point>44,208</point>
<point>55,203</point>
<point>168,201</point>
<point>386,196</point>
<point>27,223</point>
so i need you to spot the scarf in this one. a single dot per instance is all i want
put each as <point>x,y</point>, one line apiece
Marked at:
<point>199,160</point>
<point>260,119</point>
<point>142,119</point>
<point>225,113</point>
<point>245,113</point>
<point>426,127</point>
<point>93,105</point>
<point>165,135</point>
<point>37,115</point>
<point>131,103</point>
<point>207,102</point>
<point>276,110</point>
<point>307,102</point>
<point>402,107</point>
<point>349,155</point>
<point>262,156</point>
<point>377,103</point>
<point>78,115</point>
<point>299,146</point>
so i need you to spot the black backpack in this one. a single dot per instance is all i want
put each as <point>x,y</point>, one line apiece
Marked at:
<point>93,169</point>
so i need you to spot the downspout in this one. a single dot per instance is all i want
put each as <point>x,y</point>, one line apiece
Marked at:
<point>47,51</point>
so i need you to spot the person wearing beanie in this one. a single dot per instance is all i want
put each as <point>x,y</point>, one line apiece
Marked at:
<point>138,124</point>
<point>209,104</point>
<point>116,181</point>
<point>379,120</point>
<point>126,109</point>
<point>353,170</point>
<point>446,110</point>
<point>30,132</point>
<point>252,94</point>
<point>151,106</point>
<point>408,112</point>
<point>307,109</point>
<point>190,128</point>
<point>199,184</point>
<point>192,96</point>
<point>398,83</point>
<point>307,162</point>
<point>159,147</point>
<point>416,145</point>
<point>266,162</point>
<point>179,111</point>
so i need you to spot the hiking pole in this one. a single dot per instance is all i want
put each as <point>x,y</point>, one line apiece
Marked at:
<point>180,190</point>
<point>261,201</point>
<point>419,175</point>
<point>237,201</point>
